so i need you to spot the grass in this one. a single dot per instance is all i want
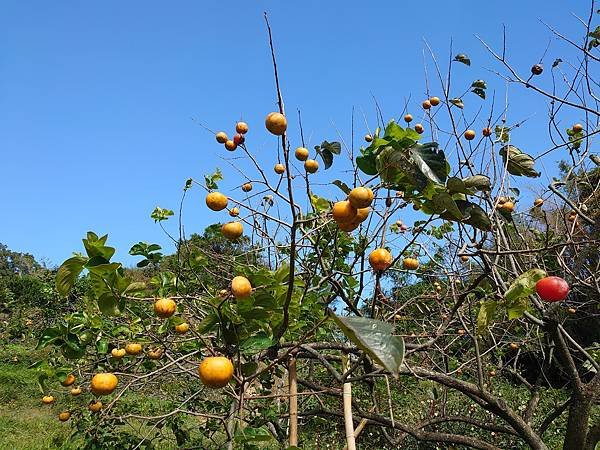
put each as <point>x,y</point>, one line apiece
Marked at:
<point>24,423</point>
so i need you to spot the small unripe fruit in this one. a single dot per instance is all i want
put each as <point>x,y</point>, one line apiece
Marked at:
<point>232,230</point>
<point>95,406</point>
<point>537,69</point>
<point>464,258</point>
<point>343,212</point>
<point>368,138</point>
<point>69,380</point>
<point>234,212</point>
<point>410,263</point>
<point>182,328</point>
<point>276,123</point>
<point>133,348</point>
<point>155,354</point>
<point>361,197</point>
<point>64,416</point>
<point>380,259</point>
<point>487,131</point>
<point>469,135</point>
<point>301,154</point>
<point>419,128</point>
<point>47,399</point>
<point>230,145</point>
<point>311,165</point>
<point>513,346</point>
<point>238,139</point>
<point>577,128</point>
<point>241,287</point>
<point>103,383</point>
<point>221,137</point>
<point>216,201</point>
<point>408,118</point>
<point>247,187</point>
<point>215,371</point>
<point>118,353</point>
<point>507,207</point>
<point>241,127</point>
<point>165,307</point>
<point>434,101</point>
<point>538,202</point>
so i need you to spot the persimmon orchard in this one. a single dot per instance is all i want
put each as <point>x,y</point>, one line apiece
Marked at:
<point>314,303</point>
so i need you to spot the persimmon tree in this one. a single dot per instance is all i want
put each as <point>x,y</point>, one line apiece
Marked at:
<point>316,299</point>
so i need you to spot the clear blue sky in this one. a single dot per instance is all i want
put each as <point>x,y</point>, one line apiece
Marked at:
<point>96,98</point>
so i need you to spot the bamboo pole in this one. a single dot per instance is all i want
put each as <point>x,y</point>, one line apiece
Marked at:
<point>293,386</point>
<point>347,395</point>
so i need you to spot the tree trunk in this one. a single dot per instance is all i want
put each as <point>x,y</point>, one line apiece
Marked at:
<point>577,423</point>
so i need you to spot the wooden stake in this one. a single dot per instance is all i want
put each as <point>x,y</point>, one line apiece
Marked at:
<point>347,395</point>
<point>293,431</point>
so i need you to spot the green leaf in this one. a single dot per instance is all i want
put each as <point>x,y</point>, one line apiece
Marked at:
<point>479,92</point>
<point>333,147</point>
<point>444,202</point>
<point>455,185</point>
<point>343,186</point>
<point>68,273</point>
<point>159,214</point>
<point>250,435</point>
<point>49,335</point>
<point>319,203</point>
<point>524,285</point>
<point>519,163</point>
<point>256,344</point>
<point>210,181</point>
<point>457,102</point>
<point>473,215</point>
<point>366,162</point>
<point>463,59</point>
<point>481,84</point>
<point>516,308</point>
<point>135,287</point>
<point>326,156</point>
<point>96,247</point>
<point>430,161</point>
<point>487,311</point>
<point>375,338</point>
<point>502,133</point>
<point>109,304</point>
<point>102,346</point>
<point>479,182</point>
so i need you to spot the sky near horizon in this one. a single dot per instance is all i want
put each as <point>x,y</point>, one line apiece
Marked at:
<point>100,101</point>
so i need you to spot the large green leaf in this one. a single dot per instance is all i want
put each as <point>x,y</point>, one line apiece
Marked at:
<point>48,336</point>
<point>517,295</point>
<point>375,338</point>
<point>486,315</point>
<point>524,285</point>
<point>256,344</point>
<point>519,163</point>
<point>479,182</point>
<point>68,272</point>
<point>366,161</point>
<point>109,304</point>
<point>430,161</point>
<point>96,246</point>
<point>444,202</point>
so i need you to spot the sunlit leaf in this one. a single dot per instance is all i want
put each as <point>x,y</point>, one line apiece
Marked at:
<point>375,338</point>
